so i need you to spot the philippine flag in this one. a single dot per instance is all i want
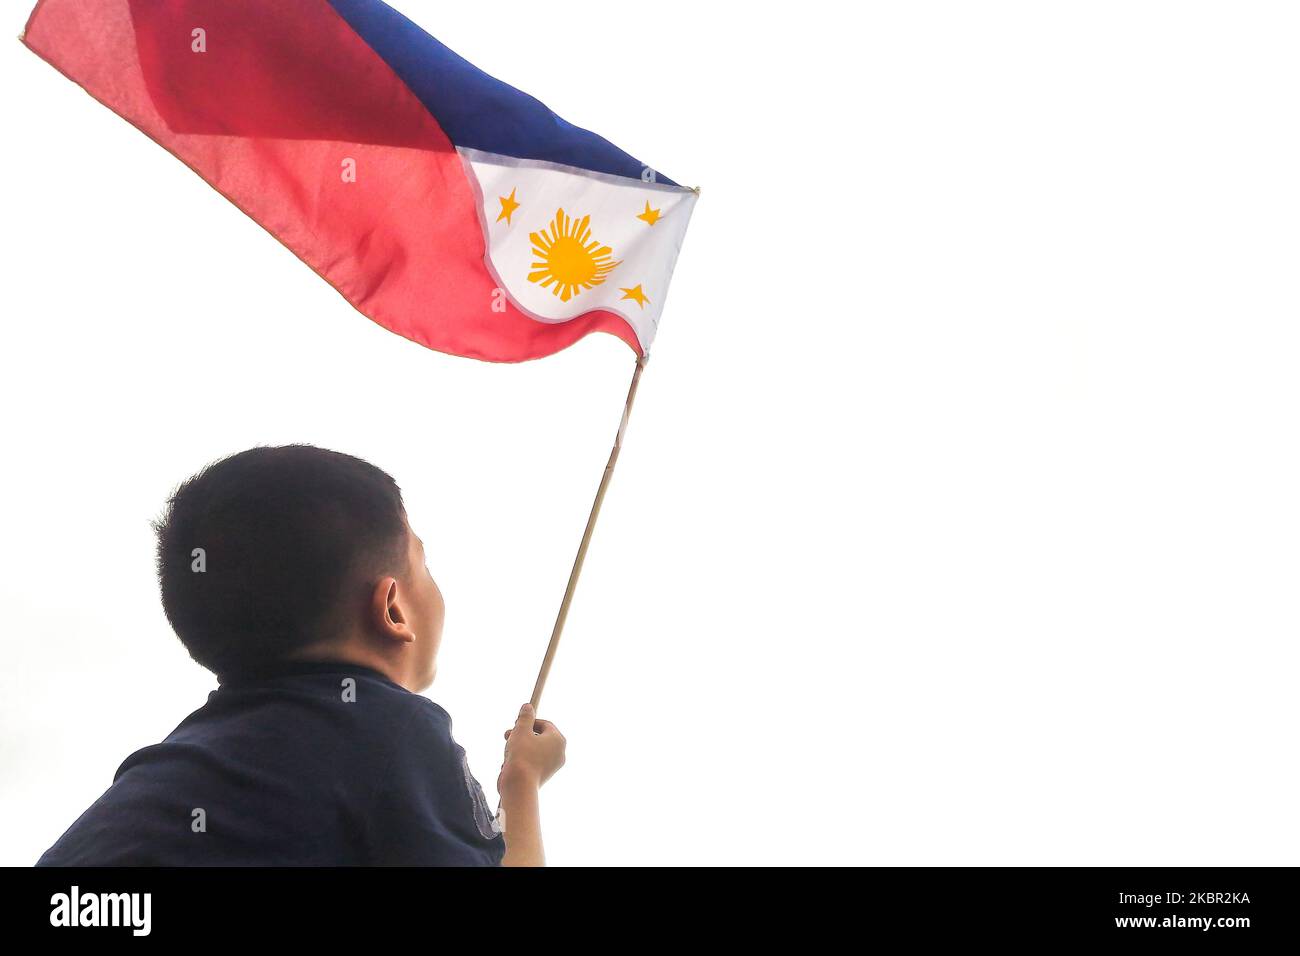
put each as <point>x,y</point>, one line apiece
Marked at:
<point>442,203</point>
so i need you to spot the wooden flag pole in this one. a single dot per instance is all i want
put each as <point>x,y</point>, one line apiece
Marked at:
<point>586,539</point>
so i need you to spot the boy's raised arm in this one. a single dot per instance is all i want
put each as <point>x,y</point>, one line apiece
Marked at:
<point>534,751</point>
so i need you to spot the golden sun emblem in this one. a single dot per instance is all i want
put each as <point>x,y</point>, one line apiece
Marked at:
<point>570,259</point>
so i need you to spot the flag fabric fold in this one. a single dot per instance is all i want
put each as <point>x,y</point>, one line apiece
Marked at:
<point>442,203</point>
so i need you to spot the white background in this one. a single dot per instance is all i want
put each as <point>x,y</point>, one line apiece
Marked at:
<point>957,521</point>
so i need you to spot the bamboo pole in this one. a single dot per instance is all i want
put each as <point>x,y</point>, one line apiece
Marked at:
<point>586,539</point>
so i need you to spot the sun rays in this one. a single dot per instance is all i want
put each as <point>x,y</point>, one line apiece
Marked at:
<point>570,260</point>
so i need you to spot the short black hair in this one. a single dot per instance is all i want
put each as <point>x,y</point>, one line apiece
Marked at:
<point>291,538</point>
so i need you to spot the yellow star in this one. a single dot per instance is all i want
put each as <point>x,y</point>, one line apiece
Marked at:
<point>508,207</point>
<point>635,293</point>
<point>651,216</point>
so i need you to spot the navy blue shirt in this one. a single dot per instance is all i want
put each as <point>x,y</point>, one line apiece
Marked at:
<point>286,768</point>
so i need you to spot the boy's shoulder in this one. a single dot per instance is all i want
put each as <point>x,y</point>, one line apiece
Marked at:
<point>398,746</point>
<point>331,764</point>
<point>319,712</point>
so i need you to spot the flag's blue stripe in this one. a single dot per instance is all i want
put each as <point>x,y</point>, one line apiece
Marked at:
<point>476,110</point>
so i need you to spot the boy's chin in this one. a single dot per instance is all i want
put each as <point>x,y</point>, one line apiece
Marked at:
<point>426,681</point>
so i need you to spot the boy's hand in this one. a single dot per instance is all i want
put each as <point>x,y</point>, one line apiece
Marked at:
<point>534,751</point>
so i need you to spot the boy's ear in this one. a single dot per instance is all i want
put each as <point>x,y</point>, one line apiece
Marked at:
<point>387,616</point>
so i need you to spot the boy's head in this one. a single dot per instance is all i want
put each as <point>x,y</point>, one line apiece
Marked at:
<point>293,553</point>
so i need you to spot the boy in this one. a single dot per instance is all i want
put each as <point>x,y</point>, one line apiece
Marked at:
<point>292,574</point>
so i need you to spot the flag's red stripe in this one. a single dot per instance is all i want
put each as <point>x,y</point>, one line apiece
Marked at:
<point>284,94</point>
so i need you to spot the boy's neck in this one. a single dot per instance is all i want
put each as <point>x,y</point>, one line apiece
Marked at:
<point>349,654</point>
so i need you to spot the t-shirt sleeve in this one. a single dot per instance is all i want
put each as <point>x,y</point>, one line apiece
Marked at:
<point>428,810</point>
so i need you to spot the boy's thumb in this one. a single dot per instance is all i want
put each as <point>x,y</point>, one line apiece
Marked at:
<point>526,718</point>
